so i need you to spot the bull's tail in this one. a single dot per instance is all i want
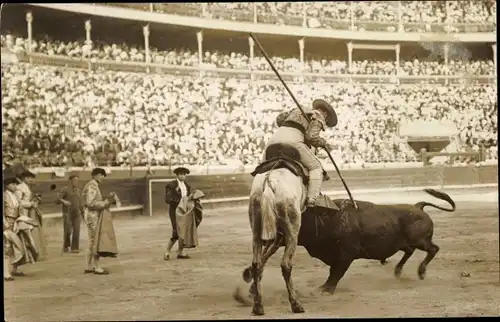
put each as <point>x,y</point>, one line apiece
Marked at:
<point>439,195</point>
<point>268,211</point>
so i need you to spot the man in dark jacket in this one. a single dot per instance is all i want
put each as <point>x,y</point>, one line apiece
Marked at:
<point>174,191</point>
<point>72,208</point>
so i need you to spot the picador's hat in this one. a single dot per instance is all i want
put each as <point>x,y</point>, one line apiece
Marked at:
<point>331,119</point>
<point>97,171</point>
<point>181,170</point>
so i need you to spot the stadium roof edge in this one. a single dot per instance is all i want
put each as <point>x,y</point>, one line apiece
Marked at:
<point>245,27</point>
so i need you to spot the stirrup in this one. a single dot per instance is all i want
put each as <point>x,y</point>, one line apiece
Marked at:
<point>310,203</point>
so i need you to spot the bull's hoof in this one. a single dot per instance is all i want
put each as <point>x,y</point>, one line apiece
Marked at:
<point>397,272</point>
<point>258,309</point>
<point>327,289</point>
<point>247,275</point>
<point>421,272</point>
<point>297,308</point>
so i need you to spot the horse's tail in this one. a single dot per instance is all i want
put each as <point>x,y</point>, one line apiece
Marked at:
<point>440,195</point>
<point>268,211</point>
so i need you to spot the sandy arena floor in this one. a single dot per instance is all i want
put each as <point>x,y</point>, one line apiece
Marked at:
<point>143,286</point>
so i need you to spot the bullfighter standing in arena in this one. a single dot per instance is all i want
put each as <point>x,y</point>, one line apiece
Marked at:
<point>296,131</point>
<point>95,208</point>
<point>10,214</point>
<point>29,207</point>
<point>18,246</point>
<point>72,208</point>
<point>174,191</point>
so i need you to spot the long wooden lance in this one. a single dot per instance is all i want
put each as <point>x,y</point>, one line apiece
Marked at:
<point>303,113</point>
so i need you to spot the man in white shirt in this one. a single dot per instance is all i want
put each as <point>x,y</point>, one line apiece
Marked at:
<point>174,191</point>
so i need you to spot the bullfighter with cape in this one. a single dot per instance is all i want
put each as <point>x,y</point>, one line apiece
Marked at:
<point>188,217</point>
<point>29,207</point>
<point>102,240</point>
<point>185,212</point>
<point>18,245</point>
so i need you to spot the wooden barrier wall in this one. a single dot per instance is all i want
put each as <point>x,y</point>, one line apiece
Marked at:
<point>134,190</point>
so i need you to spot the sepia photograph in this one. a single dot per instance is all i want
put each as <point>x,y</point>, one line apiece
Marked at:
<point>243,160</point>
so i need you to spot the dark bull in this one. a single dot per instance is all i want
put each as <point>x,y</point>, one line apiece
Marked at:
<point>370,232</point>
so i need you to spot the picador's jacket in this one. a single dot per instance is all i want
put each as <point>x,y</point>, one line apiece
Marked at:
<point>311,130</point>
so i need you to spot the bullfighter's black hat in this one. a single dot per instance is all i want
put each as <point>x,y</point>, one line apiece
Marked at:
<point>97,171</point>
<point>331,119</point>
<point>8,179</point>
<point>181,170</point>
<point>19,170</point>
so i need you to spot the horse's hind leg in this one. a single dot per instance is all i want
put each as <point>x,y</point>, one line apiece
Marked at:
<point>255,220</point>
<point>291,235</point>
<point>399,267</point>
<point>269,251</point>
<point>431,249</point>
<point>258,309</point>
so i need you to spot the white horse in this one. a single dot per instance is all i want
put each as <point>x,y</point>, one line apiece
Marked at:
<point>275,213</point>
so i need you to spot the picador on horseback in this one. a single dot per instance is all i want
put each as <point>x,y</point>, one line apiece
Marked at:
<point>289,177</point>
<point>295,130</point>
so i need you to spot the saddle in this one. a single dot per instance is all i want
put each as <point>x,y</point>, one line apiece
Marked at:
<point>280,156</point>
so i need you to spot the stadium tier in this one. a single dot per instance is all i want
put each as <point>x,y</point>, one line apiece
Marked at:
<point>102,104</point>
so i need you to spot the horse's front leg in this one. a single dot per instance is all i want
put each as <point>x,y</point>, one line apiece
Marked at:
<point>291,241</point>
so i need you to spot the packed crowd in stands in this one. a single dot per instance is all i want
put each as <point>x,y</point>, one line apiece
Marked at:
<point>114,52</point>
<point>56,117</point>
<point>368,15</point>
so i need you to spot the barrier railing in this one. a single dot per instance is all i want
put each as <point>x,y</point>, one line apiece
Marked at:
<point>142,67</point>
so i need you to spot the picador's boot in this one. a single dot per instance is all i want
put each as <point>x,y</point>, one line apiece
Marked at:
<point>314,187</point>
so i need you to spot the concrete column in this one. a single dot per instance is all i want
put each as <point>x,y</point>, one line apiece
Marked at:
<point>301,49</point>
<point>351,12</point>
<point>251,45</point>
<point>29,24</point>
<point>146,33</point>
<point>446,52</point>
<point>400,16</point>
<point>398,54</point>
<point>204,7</point>
<point>255,12</point>
<point>448,19</point>
<point>199,38</point>
<point>494,46</point>
<point>88,29</point>
<point>349,55</point>
<point>304,14</point>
